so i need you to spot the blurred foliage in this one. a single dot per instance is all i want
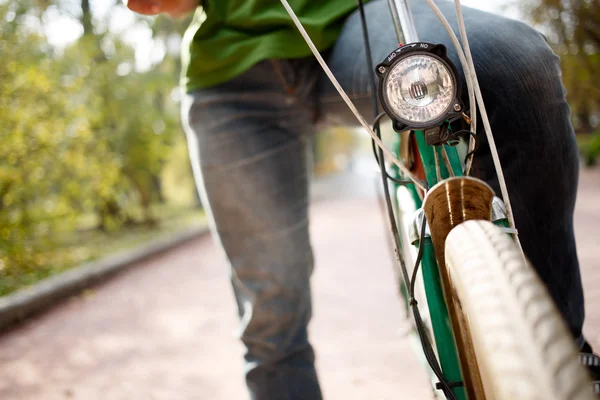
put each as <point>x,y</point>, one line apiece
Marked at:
<point>86,135</point>
<point>573,29</point>
<point>333,150</point>
<point>589,146</point>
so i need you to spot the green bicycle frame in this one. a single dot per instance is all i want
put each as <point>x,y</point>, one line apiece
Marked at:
<point>438,310</point>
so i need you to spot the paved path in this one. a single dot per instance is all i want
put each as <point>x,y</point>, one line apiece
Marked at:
<point>167,330</point>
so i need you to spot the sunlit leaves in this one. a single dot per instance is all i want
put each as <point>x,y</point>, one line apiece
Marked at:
<point>573,29</point>
<point>84,139</point>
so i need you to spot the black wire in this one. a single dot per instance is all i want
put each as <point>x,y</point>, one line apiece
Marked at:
<point>474,135</point>
<point>378,118</point>
<point>419,256</point>
<point>477,142</point>
<point>427,349</point>
<point>367,43</point>
<point>391,178</point>
<point>444,134</point>
<point>376,128</point>
<point>423,336</point>
<point>430,355</point>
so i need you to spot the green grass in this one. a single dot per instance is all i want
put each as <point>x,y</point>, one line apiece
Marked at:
<point>75,248</point>
<point>170,220</point>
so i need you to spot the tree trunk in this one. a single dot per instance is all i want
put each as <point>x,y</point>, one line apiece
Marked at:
<point>86,18</point>
<point>583,119</point>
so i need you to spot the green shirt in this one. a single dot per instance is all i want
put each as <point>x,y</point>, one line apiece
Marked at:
<point>227,37</point>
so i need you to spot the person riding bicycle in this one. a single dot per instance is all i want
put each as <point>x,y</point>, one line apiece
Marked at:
<point>253,94</point>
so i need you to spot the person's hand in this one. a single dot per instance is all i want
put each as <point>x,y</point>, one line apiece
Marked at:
<point>145,7</point>
<point>174,8</point>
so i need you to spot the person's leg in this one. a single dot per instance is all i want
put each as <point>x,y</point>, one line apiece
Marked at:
<point>521,83</point>
<point>248,142</point>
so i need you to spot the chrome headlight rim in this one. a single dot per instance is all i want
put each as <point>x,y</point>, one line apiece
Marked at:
<point>444,113</point>
<point>436,51</point>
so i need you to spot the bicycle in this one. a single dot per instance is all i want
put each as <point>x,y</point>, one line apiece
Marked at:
<point>491,330</point>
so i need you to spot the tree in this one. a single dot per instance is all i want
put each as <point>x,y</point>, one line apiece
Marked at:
<point>50,157</point>
<point>133,111</point>
<point>573,29</point>
<point>84,134</point>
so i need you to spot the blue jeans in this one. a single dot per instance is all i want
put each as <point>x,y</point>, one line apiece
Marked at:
<point>249,144</point>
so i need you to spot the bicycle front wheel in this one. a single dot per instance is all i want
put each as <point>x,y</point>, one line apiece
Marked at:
<point>520,346</point>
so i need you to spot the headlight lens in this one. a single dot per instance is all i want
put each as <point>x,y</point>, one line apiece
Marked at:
<point>419,89</point>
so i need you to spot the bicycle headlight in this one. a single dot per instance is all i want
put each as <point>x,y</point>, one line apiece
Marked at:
<point>418,86</point>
